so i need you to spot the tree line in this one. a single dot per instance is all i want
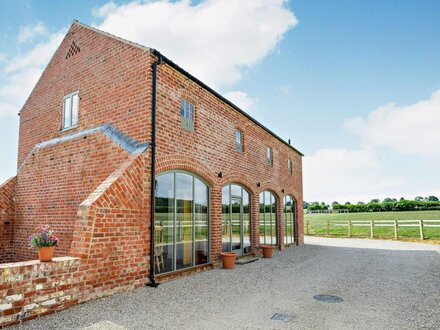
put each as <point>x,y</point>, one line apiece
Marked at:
<point>376,205</point>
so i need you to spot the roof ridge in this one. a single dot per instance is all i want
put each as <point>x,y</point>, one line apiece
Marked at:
<point>132,43</point>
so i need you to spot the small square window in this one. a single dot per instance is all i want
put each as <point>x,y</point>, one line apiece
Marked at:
<point>289,167</point>
<point>238,140</point>
<point>269,155</point>
<point>70,110</point>
<point>187,114</point>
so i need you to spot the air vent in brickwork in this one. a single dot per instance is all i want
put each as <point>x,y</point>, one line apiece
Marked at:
<point>72,50</point>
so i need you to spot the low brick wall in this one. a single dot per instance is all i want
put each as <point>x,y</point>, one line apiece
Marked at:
<point>30,289</point>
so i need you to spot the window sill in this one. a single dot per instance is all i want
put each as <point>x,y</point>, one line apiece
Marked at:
<point>68,128</point>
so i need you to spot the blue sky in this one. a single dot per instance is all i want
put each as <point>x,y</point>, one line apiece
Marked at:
<point>352,83</point>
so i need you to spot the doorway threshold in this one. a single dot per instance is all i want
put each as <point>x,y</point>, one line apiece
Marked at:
<point>246,260</point>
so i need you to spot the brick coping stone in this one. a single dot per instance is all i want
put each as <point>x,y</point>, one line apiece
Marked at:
<point>68,260</point>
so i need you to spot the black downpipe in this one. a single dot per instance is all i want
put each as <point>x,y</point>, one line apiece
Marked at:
<point>153,282</point>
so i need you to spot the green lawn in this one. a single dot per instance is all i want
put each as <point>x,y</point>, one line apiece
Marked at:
<point>318,224</point>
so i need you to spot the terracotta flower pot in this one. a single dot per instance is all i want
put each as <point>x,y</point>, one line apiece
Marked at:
<point>228,259</point>
<point>46,253</point>
<point>267,251</point>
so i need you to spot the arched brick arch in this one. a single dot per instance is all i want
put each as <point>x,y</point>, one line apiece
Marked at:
<point>272,188</point>
<point>241,179</point>
<point>292,195</point>
<point>190,164</point>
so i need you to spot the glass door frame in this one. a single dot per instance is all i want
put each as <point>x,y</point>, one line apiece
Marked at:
<point>240,199</point>
<point>267,218</point>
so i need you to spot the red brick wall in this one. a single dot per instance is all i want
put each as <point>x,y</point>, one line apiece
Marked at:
<point>53,183</point>
<point>111,232</point>
<point>113,79</point>
<point>210,149</point>
<point>7,214</point>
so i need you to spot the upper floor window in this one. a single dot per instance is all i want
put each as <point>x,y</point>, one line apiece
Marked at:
<point>70,110</point>
<point>289,166</point>
<point>238,140</point>
<point>269,155</point>
<point>187,114</point>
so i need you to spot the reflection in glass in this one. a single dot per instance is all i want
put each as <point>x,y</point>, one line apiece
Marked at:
<point>236,225</point>
<point>246,223</point>
<point>75,110</point>
<point>184,239</point>
<point>289,220</point>
<point>164,223</point>
<point>67,113</point>
<point>236,190</point>
<point>200,222</point>
<point>236,220</point>
<point>262,221</point>
<point>226,229</point>
<point>268,218</point>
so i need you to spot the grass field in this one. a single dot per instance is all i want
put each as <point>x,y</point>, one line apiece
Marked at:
<point>318,224</point>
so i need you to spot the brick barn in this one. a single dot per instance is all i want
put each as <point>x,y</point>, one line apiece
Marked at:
<point>113,135</point>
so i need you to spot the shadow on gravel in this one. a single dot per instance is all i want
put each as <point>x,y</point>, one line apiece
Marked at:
<point>392,286</point>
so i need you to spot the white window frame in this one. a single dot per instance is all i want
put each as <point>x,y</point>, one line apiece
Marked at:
<point>71,125</point>
<point>187,114</point>
<point>238,144</point>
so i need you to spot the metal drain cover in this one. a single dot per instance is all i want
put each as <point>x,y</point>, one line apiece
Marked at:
<point>328,298</point>
<point>281,317</point>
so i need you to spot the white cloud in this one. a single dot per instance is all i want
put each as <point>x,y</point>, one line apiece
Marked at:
<point>411,129</point>
<point>105,10</point>
<point>347,175</point>
<point>38,56</point>
<point>242,100</point>
<point>214,39</point>
<point>22,72</point>
<point>29,32</point>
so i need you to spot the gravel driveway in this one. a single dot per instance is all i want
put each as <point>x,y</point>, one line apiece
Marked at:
<point>384,285</point>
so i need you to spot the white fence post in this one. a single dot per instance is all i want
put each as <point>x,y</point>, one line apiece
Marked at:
<point>349,228</point>
<point>395,230</point>
<point>421,229</point>
<point>372,228</point>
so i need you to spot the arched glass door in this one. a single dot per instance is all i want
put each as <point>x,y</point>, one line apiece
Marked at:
<point>181,222</point>
<point>268,218</point>
<point>236,220</point>
<point>289,220</point>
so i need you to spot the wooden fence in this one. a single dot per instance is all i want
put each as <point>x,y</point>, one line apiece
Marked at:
<point>395,224</point>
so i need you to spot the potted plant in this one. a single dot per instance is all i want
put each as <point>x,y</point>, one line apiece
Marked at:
<point>45,241</point>
<point>268,250</point>
<point>228,259</point>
